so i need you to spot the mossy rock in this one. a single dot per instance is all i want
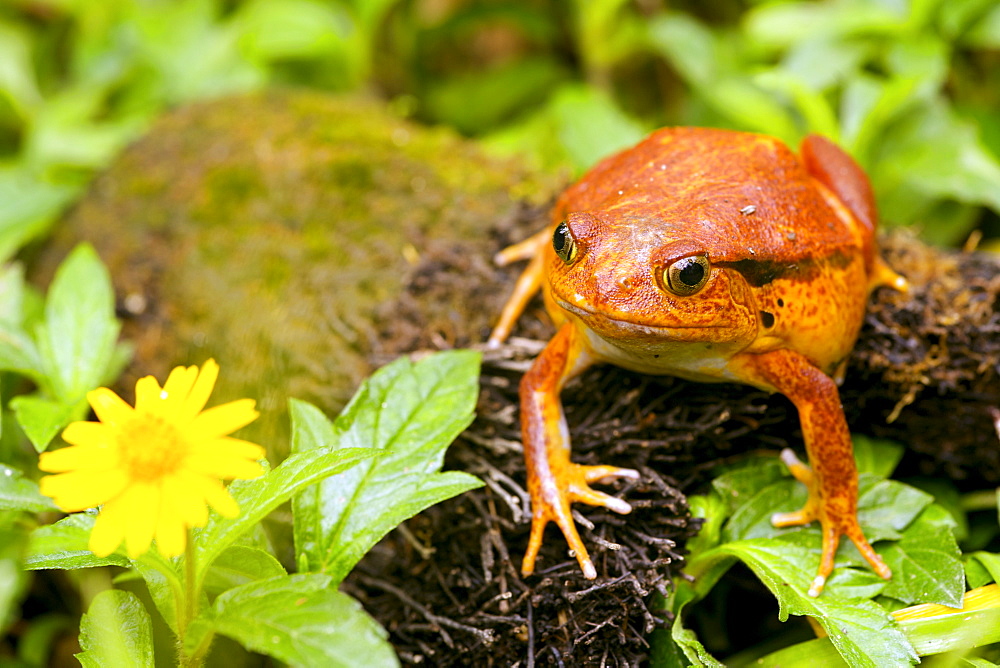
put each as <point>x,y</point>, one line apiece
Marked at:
<point>275,231</point>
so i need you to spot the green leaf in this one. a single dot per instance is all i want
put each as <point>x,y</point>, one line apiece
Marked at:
<point>18,352</point>
<point>281,29</point>
<point>299,619</point>
<point>12,291</point>
<point>77,339</point>
<point>164,584</point>
<point>714,68</point>
<point>64,545</point>
<point>20,493</point>
<point>258,497</point>
<point>116,631</point>
<point>990,562</point>
<point>29,207</point>
<point>481,100</point>
<point>960,631</point>
<point>41,419</point>
<point>926,562</point>
<point>591,125</point>
<point>13,579</point>
<point>738,485</point>
<point>864,634</point>
<point>239,565</point>
<point>876,456</point>
<point>410,413</point>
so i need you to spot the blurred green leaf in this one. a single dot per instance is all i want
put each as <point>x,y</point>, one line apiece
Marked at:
<point>591,126</point>
<point>479,101</point>
<point>20,493</point>
<point>11,296</point>
<point>29,208</point>
<point>41,418</point>
<point>985,34</point>
<point>13,578</point>
<point>711,65</point>
<point>299,619</point>
<point>278,29</point>
<point>116,631</point>
<point>781,25</point>
<point>77,340</point>
<point>18,352</point>
<point>192,53</point>
<point>17,72</point>
<point>932,153</point>
<point>410,413</point>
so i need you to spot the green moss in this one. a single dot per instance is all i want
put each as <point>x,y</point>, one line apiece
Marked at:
<point>265,230</point>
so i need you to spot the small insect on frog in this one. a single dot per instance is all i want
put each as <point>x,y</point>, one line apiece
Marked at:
<point>715,256</point>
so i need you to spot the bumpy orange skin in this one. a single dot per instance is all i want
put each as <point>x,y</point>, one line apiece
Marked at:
<point>790,244</point>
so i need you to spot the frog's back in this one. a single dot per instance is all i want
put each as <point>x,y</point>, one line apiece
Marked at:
<point>762,202</point>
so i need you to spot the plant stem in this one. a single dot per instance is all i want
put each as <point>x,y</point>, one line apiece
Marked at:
<point>187,608</point>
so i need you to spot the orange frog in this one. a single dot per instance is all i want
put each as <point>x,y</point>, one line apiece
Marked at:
<point>715,256</point>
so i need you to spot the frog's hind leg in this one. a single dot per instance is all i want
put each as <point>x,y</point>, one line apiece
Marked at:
<point>525,288</point>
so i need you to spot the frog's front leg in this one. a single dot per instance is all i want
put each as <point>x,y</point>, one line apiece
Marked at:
<point>833,479</point>
<point>554,482</point>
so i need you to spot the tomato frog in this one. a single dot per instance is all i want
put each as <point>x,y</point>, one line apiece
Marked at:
<point>715,256</point>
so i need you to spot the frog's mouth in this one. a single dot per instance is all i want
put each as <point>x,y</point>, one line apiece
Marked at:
<point>602,321</point>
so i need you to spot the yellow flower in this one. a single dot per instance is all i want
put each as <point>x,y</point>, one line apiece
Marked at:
<point>152,468</point>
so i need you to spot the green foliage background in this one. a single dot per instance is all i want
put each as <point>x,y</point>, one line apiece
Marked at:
<point>909,87</point>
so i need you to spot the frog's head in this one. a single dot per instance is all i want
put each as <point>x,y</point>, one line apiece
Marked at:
<point>636,281</point>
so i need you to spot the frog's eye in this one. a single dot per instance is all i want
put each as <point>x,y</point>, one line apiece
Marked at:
<point>564,244</point>
<point>687,275</point>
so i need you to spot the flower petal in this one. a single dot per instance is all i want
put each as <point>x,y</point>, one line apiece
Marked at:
<point>223,420</point>
<point>148,397</point>
<point>227,468</point>
<point>89,434</point>
<point>109,530</point>
<point>178,387</point>
<point>236,447</point>
<point>216,494</point>
<point>109,407</point>
<point>79,490</point>
<point>186,500</point>
<point>141,512</point>
<point>87,457</point>
<point>201,390</point>
<point>171,534</point>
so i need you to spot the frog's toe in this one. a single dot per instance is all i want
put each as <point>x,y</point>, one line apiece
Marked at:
<point>793,519</point>
<point>601,473</point>
<point>556,509</point>
<point>799,469</point>
<point>592,497</point>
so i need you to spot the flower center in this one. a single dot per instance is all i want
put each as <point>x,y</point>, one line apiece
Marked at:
<point>151,447</point>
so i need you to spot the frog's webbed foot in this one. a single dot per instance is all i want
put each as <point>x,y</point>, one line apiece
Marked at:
<point>551,503</point>
<point>835,521</point>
